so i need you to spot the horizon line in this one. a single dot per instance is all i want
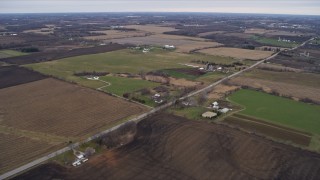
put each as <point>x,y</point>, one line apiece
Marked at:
<point>184,12</point>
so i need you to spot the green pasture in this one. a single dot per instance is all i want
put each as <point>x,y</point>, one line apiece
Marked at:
<point>279,110</point>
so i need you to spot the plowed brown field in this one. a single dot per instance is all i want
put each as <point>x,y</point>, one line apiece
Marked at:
<point>55,107</point>
<point>17,150</point>
<point>170,147</point>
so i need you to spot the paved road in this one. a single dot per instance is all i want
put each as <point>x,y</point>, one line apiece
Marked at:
<point>136,119</point>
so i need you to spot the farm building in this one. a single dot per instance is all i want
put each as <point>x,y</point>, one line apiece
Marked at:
<point>209,114</point>
<point>224,110</point>
<point>169,47</point>
<point>215,105</point>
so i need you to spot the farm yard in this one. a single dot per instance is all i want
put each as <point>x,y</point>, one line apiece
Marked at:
<point>237,53</point>
<point>169,146</point>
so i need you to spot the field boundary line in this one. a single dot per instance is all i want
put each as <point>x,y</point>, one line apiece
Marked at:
<point>275,126</point>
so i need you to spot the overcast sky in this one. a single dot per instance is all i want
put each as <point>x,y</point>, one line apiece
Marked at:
<point>310,7</point>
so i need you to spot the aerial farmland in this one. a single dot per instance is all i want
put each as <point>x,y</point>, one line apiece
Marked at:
<point>159,96</point>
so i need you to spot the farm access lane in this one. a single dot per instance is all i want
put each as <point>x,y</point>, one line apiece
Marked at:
<point>136,119</point>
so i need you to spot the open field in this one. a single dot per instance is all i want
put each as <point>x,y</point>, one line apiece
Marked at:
<point>42,31</point>
<point>297,85</point>
<point>303,79</point>
<point>257,31</point>
<point>187,73</point>
<point>53,55</point>
<point>220,91</point>
<point>274,42</point>
<point>151,28</point>
<point>115,34</point>
<point>193,113</point>
<point>298,60</point>
<point>237,53</point>
<point>284,89</point>
<point>210,33</point>
<point>182,43</point>
<point>262,127</point>
<point>124,61</point>
<point>17,150</point>
<point>58,108</point>
<point>279,110</point>
<point>121,85</point>
<point>11,40</point>
<point>10,53</point>
<point>14,75</point>
<point>171,147</point>
<point>269,32</point>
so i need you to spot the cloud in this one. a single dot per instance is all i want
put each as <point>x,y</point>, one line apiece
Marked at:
<point>236,6</point>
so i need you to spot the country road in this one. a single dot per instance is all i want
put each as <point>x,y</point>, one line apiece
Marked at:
<point>136,119</point>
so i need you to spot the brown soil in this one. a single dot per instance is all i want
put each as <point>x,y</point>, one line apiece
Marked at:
<point>171,147</point>
<point>237,53</point>
<point>116,34</point>
<point>17,150</point>
<point>14,75</point>
<point>183,82</point>
<point>269,129</point>
<point>221,91</point>
<point>63,109</point>
<point>60,54</point>
<point>189,71</point>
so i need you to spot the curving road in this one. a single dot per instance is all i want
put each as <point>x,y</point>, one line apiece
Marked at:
<point>136,119</point>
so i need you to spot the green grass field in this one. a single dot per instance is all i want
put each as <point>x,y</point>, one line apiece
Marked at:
<point>10,53</point>
<point>189,112</point>
<point>122,61</point>
<point>176,74</point>
<point>274,42</point>
<point>121,85</point>
<point>279,110</point>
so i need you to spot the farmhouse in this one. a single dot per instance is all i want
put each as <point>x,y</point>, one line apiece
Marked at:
<point>209,114</point>
<point>215,105</point>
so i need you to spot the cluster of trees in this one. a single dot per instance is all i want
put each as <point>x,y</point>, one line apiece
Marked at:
<point>30,49</point>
